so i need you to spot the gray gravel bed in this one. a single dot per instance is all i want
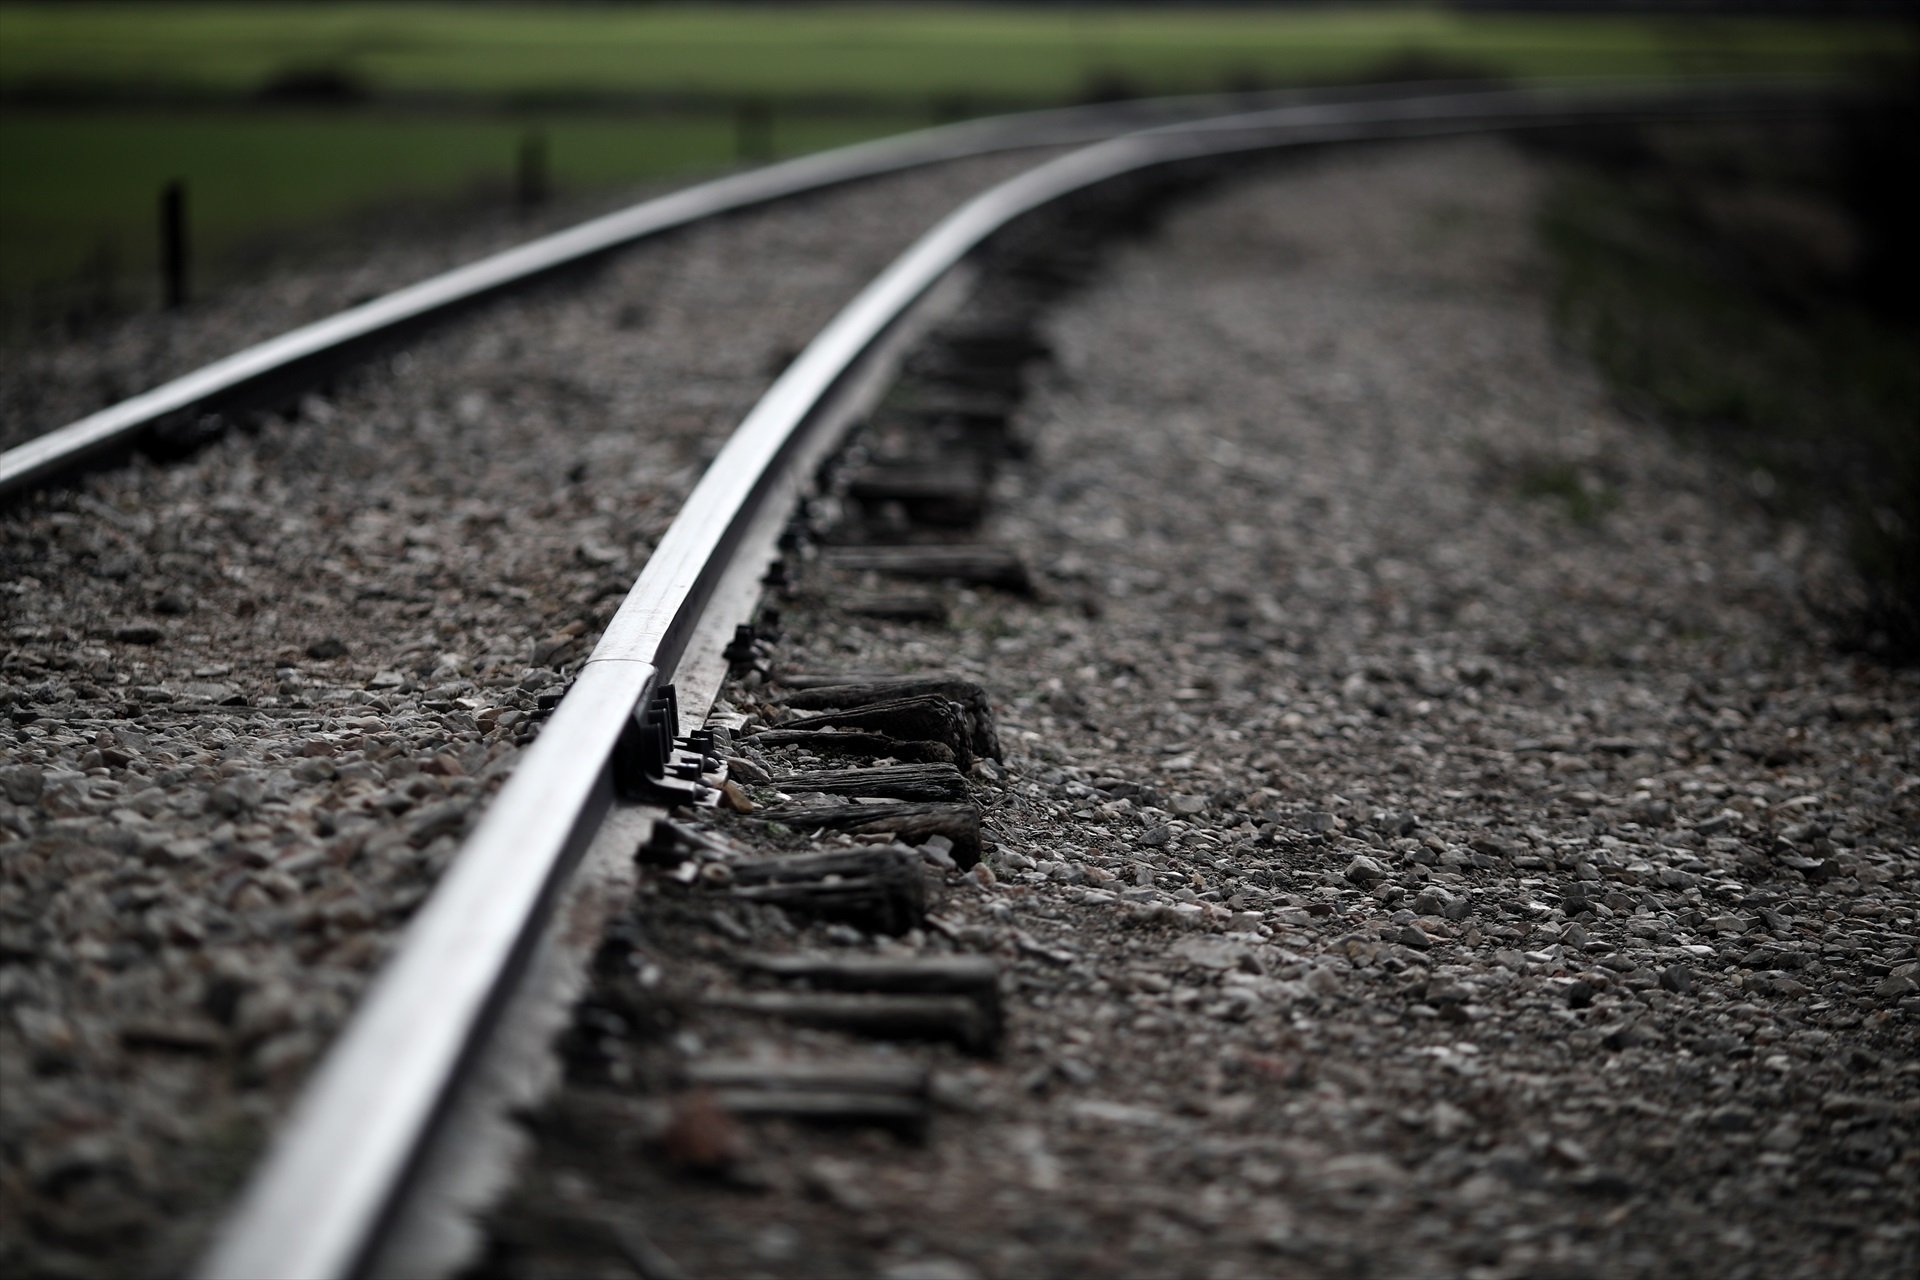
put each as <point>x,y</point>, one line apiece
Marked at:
<point>1404,867</point>
<point>251,701</point>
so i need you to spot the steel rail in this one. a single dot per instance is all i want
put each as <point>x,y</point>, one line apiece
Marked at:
<point>332,1180</point>
<point>285,359</point>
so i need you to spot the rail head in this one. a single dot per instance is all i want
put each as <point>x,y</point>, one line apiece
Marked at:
<point>328,1187</point>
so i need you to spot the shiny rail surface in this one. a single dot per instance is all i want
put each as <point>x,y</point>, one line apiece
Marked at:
<point>329,1187</point>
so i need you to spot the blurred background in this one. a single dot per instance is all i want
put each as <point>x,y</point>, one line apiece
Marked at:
<point>1753,284</point>
<point>288,120</point>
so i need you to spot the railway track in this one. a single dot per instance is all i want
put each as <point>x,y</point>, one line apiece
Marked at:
<point>622,715</point>
<point>368,1173</point>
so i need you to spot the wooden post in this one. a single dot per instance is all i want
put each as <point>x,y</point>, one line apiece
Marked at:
<point>753,130</point>
<point>106,280</point>
<point>173,244</point>
<point>530,185</point>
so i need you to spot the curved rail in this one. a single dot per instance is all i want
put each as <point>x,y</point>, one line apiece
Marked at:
<point>281,361</point>
<point>328,1187</point>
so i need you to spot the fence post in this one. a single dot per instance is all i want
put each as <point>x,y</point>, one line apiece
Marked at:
<point>753,130</point>
<point>106,279</point>
<point>530,186</point>
<point>173,244</point>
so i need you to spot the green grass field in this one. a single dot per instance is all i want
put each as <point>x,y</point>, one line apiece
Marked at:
<point>106,102</point>
<point>85,202</point>
<point>907,52</point>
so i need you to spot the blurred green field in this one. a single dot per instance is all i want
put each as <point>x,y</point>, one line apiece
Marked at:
<point>79,211</point>
<point>906,52</point>
<point>100,104</point>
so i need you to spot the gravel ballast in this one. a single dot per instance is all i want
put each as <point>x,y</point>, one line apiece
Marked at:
<point>1435,837</point>
<point>253,699</point>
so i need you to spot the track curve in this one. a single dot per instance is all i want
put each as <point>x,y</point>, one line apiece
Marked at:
<point>312,1210</point>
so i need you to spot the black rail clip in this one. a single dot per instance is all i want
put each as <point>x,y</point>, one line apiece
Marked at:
<point>742,651</point>
<point>700,743</point>
<point>645,767</point>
